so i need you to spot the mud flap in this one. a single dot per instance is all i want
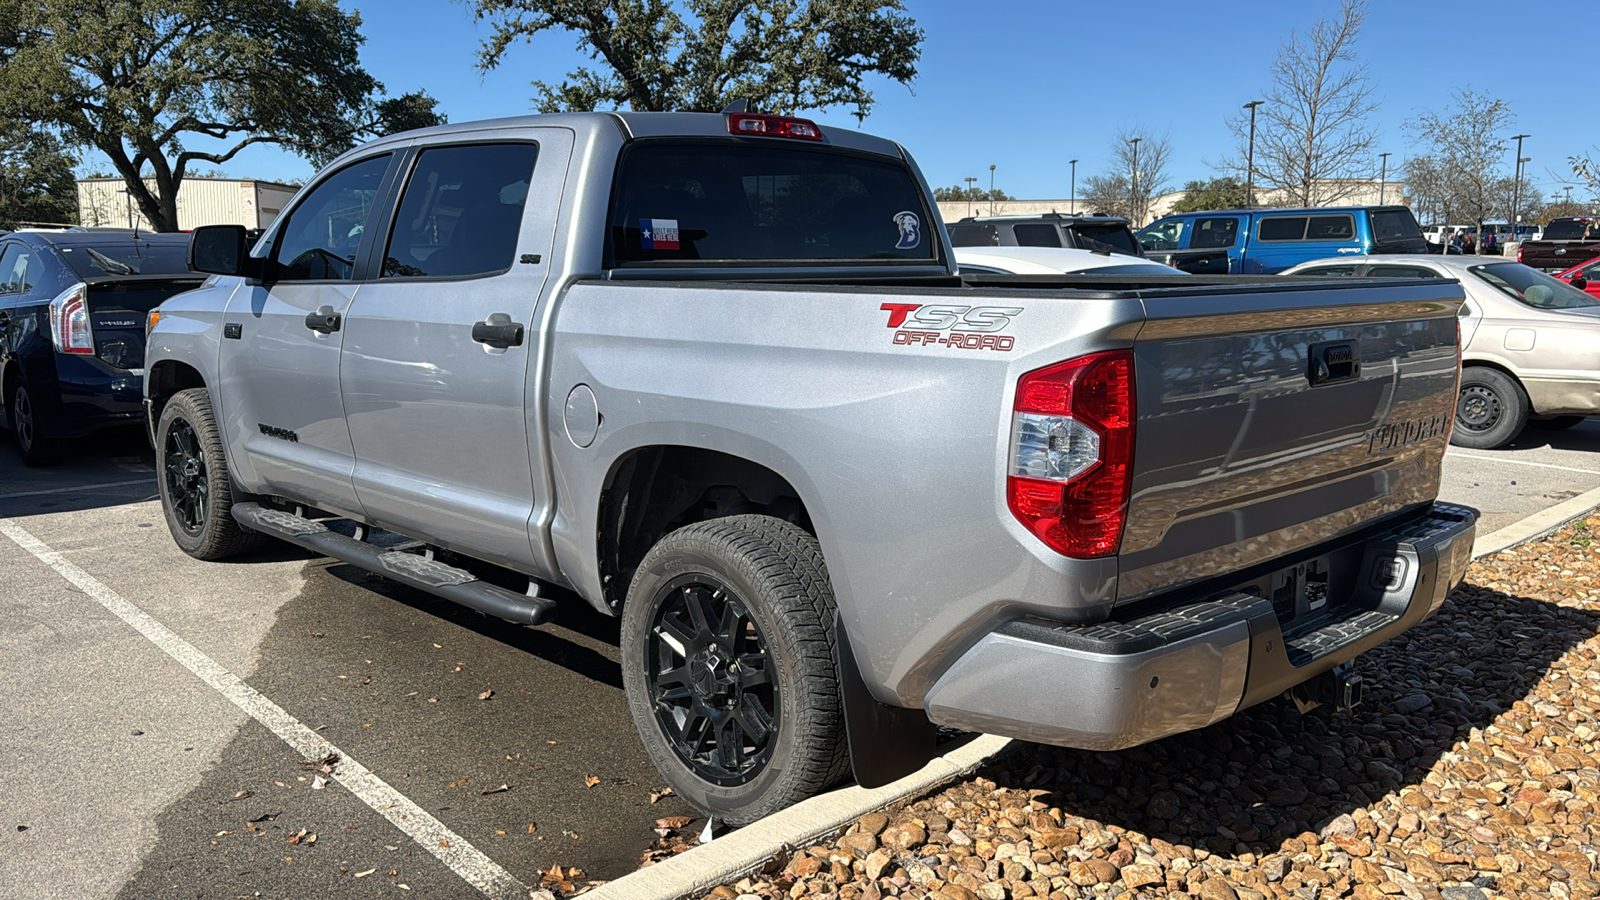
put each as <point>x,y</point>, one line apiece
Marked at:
<point>887,743</point>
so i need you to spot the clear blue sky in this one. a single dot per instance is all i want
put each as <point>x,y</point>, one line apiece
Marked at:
<point>1026,85</point>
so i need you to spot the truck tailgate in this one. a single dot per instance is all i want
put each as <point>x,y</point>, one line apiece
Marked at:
<point>1270,421</point>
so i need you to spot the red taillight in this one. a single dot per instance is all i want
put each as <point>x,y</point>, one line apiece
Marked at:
<point>69,322</point>
<point>773,126</point>
<point>1072,453</point>
<point>1519,253</point>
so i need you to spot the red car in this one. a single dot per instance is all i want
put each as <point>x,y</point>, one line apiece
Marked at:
<point>1584,276</point>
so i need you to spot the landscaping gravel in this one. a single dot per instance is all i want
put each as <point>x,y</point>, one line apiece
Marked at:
<point>1469,773</point>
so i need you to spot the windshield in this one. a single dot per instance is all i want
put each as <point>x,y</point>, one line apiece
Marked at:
<point>756,201</point>
<point>1532,287</point>
<point>1567,230</point>
<point>127,257</point>
<point>1116,238</point>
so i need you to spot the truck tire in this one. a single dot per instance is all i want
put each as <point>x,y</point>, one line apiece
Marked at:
<point>1490,411</point>
<point>728,658</point>
<point>197,493</point>
<point>27,426</point>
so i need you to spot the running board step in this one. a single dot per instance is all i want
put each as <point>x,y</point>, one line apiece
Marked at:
<point>410,569</point>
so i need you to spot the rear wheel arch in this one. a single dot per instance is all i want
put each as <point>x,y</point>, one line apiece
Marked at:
<point>654,490</point>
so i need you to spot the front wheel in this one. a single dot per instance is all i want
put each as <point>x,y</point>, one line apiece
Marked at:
<point>728,660</point>
<point>1491,409</point>
<point>197,491</point>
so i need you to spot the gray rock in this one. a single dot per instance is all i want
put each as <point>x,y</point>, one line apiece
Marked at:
<point>1411,703</point>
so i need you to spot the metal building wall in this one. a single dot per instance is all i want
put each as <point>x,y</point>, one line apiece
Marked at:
<point>201,201</point>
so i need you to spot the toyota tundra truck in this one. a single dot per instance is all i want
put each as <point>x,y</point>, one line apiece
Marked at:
<point>718,375</point>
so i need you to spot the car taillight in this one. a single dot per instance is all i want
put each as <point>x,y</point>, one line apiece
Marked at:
<point>773,126</point>
<point>69,321</point>
<point>1519,254</point>
<point>1072,453</point>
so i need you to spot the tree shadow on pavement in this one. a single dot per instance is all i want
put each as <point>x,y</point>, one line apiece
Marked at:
<point>1268,774</point>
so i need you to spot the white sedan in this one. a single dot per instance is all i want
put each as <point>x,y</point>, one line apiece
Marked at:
<point>1054,261</point>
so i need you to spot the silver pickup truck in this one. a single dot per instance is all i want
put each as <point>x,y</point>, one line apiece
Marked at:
<point>718,374</point>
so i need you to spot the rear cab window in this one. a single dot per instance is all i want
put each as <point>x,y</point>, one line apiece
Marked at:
<point>1115,238</point>
<point>974,234</point>
<point>739,202</point>
<point>1567,230</point>
<point>1282,228</point>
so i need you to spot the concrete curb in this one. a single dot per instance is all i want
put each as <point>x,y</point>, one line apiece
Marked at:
<point>1537,525</point>
<point>747,849</point>
<point>744,851</point>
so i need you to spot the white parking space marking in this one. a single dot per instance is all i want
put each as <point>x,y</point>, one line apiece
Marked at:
<point>1524,462</point>
<point>79,489</point>
<point>434,836</point>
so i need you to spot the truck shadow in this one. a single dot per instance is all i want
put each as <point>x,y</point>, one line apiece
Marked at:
<point>1268,774</point>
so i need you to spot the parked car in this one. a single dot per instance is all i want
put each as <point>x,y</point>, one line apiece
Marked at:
<point>1054,261</point>
<point>1441,234</point>
<point>1565,240</point>
<point>1584,276</point>
<point>718,376</point>
<point>72,323</point>
<point>1267,241</point>
<point>1530,342</point>
<point>1109,233</point>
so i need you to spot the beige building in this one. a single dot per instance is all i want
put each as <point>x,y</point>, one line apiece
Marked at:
<point>1354,193</point>
<point>201,201</point>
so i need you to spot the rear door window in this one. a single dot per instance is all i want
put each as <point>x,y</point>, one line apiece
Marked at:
<point>1282,228</point>
<point>751,202</point>
<point>1211,234</point>
<point>974,234</point>
<point>461,212</point>
<point>324,231</point>
<point>1036,235</point>
<point>20,268</point>
<point>1331,228</point>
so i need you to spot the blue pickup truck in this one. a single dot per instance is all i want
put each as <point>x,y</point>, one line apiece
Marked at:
<point>1267,241</point>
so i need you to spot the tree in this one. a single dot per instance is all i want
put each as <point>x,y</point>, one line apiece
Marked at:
<point>36,181</point>
<point>1138,175</point>
<point>957,193</point>
<point>1218,193</point>
<point>1587,168</point>
<point>1313,143</point>
<point>160,85</point>
<point>1466,154</point>
<point>781,55</point>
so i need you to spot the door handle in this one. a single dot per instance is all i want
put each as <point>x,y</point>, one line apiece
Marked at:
<point>324,320</point>
<point>498,331</point>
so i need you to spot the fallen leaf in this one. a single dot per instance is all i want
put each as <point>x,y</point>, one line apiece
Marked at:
<point>456,784</point>
<point>444,843</point>
<point>498,831</point>
<point>295,838</point>
<point>499,790</point>
<point>657,795</point>
<point>318,783</point>
<point>591,780</point>
<point>403,886</point>
<point>221,833</point>
<point>486,695</point>
<point>438,646</point>
<point>365,874</point>
<point>673,821</point>
<point>394,871</point>
<point>243,795</point>
<point>531,827</point>
<point>433,699</point>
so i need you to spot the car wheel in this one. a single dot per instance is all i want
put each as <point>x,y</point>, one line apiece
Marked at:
<point>1557,423</point>
<point>197,492</point>
<point>1491,409</point>
<point>728,660</point>
<point>27,427</point>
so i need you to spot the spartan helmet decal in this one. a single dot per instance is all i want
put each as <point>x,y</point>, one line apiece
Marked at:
<point>910,230</point>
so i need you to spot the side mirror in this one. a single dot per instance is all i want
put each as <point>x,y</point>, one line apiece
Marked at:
<point>1579,282</point>
<point>220,250</point>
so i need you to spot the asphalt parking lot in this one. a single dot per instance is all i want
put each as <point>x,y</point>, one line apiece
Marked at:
<point>127,775</point>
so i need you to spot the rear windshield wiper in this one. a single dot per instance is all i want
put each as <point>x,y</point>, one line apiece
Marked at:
<point>109,265</point>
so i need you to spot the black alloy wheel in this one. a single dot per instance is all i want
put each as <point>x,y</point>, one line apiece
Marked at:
<point>711,681</point>
<point>26,427</point>
<point>188,483</point>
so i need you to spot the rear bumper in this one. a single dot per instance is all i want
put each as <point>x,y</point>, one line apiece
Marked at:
<point>1120,684</point>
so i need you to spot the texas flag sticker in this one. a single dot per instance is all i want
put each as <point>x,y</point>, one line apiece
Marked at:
<point>658,234</point>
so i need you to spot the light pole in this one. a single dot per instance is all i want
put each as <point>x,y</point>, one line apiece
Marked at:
<point>991,189</point>
<point>1383,176</point>
<point>969,180</point>
<point>1072,198</point>
<point>1516,186</point>
<point>1250,157</point>
<point>1133,199</point>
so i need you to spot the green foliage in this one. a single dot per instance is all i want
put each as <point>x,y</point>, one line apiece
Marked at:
<point>158,85</point>
<point>782,55</point>
<point>1218,193</point>
<point>36,181</point>
<point>958,193</point>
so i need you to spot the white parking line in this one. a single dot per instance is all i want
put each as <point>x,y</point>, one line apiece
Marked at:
<point>1521,462</point>
<point>464,859</point>
<point>81,488</point>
